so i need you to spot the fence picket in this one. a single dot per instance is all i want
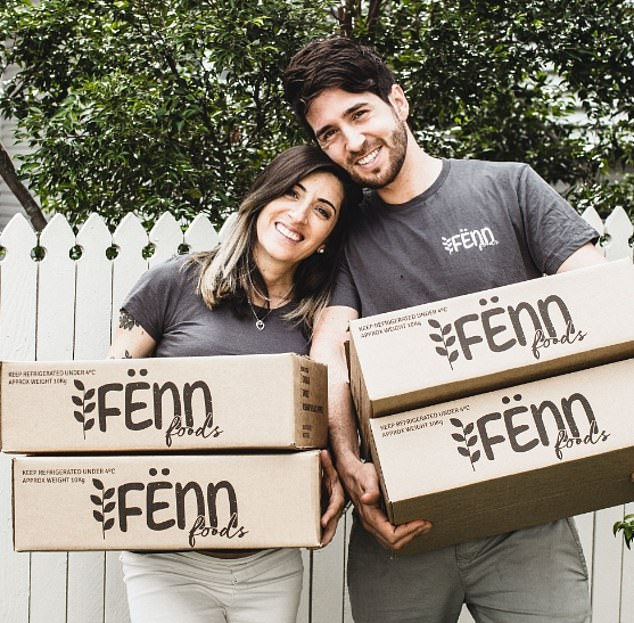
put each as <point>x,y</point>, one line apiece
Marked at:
<point>200,235</point>
<point>55,337</point>
<point>620,229</point>
<point>627,578</point>
<point>86,579</point>
<point>18,295</point>
<point>166,236</point>
<point>56,292</point>
<point>606,566</point>
<point>130,238</point>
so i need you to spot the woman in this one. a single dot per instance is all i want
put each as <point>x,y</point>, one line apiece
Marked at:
<point>259,291</point>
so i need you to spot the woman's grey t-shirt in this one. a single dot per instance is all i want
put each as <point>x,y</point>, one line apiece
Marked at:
<point>165,303</point>
<point>480,225</point>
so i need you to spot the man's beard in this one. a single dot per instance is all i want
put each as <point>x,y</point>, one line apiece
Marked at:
<point>397,146</point>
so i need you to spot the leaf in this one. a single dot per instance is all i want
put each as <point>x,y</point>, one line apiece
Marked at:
<point>441,351</point>
<point>109,523</point>
<point>468,429</point>
<point>450,341</point>
<point>79,416</point>
<point>434,323</point>
<point>77,400</point>
<point>89,424</point>
<point>89,394</point>
<point>446,329</point>
<point>79,385</point>
<point>453,356</point>
<point>98,516</point>
<point>89,407</point>
<point>95,499</point>
<point>456,422</point>
<point>108,493</point>
<point>475,456</point>
<point>457,437</point>
<point>435,337</point>
<point>463,451</point>
<point>97,484</point>
<point>108,508</point>
<point>472,441</point>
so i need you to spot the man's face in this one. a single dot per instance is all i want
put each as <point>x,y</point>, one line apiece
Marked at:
<point>362,133</point>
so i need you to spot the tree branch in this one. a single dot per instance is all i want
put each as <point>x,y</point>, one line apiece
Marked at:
<point>22,194</point>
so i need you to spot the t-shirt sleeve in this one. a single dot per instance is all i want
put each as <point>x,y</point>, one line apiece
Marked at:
<point>150,300</point>
<point>554,230</point>
<point>345,292</point>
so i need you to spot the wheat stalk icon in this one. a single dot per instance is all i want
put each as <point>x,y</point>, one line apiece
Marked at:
<point>86,406</point>
<point>103,506</point>
<point>467,439</point>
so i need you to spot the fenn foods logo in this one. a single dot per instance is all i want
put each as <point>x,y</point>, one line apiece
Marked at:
<point>560,424</point>
<point>139,405</point>
<point>199,510</point>
<point>496,328</point>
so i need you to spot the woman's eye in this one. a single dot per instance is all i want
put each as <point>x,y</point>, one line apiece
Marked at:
<point>323,212</point>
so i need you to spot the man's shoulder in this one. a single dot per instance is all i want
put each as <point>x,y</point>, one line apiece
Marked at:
<point>475,165</point>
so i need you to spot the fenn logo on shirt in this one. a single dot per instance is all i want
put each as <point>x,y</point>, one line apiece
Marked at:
<point>464,240</point>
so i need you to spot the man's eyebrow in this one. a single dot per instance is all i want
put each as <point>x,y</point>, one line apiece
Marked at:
<point>346,113</point>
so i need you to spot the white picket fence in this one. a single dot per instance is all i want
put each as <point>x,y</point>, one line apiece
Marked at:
<point>61,307</point>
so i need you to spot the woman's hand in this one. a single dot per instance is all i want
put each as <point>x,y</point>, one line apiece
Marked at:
<point>333,497</point>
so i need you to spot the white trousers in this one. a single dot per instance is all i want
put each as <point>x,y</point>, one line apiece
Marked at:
<point>190,587</point>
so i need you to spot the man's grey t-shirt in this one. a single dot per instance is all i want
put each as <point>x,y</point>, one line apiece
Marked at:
<point>165,303</point>
<point>480,225</point>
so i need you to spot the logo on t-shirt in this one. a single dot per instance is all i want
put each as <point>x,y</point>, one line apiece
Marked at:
<point>475,239</point>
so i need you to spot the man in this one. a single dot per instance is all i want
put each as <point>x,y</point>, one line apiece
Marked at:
<point>400,254</point>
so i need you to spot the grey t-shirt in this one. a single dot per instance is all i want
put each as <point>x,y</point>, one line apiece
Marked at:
<point>480,225</point>
<point>165,303</point>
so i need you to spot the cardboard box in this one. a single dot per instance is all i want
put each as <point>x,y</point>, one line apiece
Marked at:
<point>492,339</point>
<point>199,403</point>
<point>166,502</point>
<point>512,458</point>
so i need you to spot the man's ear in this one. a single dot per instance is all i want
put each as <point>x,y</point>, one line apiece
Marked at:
<point>399,102</point>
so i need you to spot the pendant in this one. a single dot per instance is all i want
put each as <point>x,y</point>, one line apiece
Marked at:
<point>259,325</point>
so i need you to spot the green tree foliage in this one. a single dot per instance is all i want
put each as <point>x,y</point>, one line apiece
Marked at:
<point>153,106</point>
<point>627,528</point>
<point>149,106</point>
<point>540,81</point>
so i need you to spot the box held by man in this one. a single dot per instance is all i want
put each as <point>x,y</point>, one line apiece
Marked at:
<point>512,458</point>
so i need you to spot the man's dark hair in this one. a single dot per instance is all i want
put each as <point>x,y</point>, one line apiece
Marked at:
<point>336,62</point>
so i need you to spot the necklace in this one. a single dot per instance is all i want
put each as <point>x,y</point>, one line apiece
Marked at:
<point>267,299</point>
<point>259,322</point>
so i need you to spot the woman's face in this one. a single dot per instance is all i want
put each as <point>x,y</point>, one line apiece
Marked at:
<point>293,226</point>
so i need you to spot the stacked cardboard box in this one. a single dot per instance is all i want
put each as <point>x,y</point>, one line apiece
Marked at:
<point>179,453</point>
<point>501,409</point>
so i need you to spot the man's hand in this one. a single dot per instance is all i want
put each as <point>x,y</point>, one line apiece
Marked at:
<point>362,483</point>
<point>334,497</point>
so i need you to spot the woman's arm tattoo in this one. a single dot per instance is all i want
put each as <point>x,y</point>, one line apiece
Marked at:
<point>127,321</point>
